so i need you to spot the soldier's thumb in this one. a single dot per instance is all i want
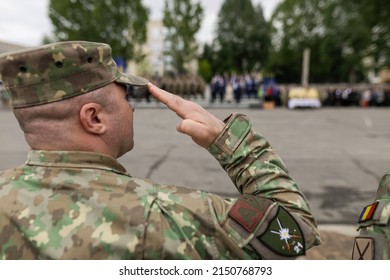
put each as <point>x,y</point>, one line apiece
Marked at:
<point>195,130</point>
<point>186,126</point>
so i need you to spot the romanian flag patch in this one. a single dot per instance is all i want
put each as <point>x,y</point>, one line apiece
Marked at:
<point>368,212</point>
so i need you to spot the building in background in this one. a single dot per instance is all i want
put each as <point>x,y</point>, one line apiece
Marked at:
<point>8,47</point>
<point>156,61</point>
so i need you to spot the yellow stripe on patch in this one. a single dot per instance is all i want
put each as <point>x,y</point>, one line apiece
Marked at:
<point>366,212</point>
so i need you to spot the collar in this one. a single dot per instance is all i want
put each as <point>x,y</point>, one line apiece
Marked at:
<point>75,159</point>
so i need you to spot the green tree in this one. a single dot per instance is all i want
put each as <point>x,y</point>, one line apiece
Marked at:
<point>207,62</point>
<point>243,37</point>
<point>120,23</point>
<point>205,70</point>
<point>336,33</point>
<point>297,26</point>
<point>183,20</point>
<point>353,41</point>
<point>376,15</point>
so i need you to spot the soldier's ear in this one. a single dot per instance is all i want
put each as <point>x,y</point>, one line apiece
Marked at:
<point>93,118</point>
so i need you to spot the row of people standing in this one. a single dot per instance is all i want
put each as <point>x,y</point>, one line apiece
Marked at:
<point>186,86</point>
<point>227,88</point>
<point>348,96</point>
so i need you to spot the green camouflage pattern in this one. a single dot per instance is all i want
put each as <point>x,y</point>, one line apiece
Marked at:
<point>58,71</point>
<point>378,228</point>
<point>81,205</point>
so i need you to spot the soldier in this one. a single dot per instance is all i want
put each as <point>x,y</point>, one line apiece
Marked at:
<point>373,241</point>
<point>74,200</point>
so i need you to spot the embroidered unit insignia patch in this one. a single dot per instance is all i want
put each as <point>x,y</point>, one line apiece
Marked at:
<point>363,248</point>
<point>248,211</point>
<point>284,236</point>
<point>368,212</point>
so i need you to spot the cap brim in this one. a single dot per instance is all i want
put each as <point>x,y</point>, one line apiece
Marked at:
<point>131,80</point>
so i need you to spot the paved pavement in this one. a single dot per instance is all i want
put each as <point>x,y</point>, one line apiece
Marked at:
<point>336,155</point>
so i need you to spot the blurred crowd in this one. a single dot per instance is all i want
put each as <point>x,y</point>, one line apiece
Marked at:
<point>235,88</point>
<point>364,97</point>
<point>226,88</point>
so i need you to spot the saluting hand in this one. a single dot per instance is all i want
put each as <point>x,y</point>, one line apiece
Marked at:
<point>202,126</point>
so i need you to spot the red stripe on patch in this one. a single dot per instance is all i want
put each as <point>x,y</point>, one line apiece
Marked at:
<point>238,213</point>
<point>372,211</point>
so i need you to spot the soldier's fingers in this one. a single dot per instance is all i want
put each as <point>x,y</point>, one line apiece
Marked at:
<point>197,131</point>
<point>173,102</point>
<point>170,100</point>
<point>161,95</point>
<point>188,127</point>
<point>198,123</point>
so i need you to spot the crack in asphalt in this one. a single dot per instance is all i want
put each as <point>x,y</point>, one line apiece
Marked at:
<point>367,171</point>
<point>159,161</point>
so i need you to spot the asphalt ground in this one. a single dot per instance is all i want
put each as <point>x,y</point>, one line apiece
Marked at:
<point>336,155</point>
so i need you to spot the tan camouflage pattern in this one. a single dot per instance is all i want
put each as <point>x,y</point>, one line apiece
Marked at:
<point>58,71</point>
<point>378,228</point>
<point>80,205</point>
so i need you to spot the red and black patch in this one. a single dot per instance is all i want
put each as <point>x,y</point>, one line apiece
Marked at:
<point>249,210</point>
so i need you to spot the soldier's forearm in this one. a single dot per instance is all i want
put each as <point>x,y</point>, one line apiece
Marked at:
<point>254,167</point>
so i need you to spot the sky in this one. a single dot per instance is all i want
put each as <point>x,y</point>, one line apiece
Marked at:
<point>25,22</point>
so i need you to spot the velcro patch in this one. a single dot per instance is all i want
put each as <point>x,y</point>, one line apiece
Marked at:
<point>363,248</point>
<point>284,236</point>
<point>249,210</point>
<point>368,212</point>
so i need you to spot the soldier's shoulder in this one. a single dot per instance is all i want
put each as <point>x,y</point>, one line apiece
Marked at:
<point>12,173</point>
<point>374,231</point>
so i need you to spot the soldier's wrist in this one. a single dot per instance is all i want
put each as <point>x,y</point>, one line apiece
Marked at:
<point>236,128</point>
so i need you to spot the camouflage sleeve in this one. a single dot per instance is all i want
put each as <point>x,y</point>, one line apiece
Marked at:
<point>373,241</point>
<point>272,216</point>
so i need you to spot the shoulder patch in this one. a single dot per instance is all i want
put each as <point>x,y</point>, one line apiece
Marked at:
<point>368,212</point>
<point>248,211</point>
<point>283,235</point>
<point>363,248</point>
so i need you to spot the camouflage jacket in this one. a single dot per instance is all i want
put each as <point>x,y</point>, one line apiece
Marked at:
<point>79,205</point>
<point>373,241</point>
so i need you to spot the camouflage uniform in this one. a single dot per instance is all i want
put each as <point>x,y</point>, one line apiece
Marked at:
<point>373,241</point>
<point>82,205</point>
<point>73,205</point>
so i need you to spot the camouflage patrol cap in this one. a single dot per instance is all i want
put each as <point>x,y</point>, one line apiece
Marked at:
<point>58,71</point>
